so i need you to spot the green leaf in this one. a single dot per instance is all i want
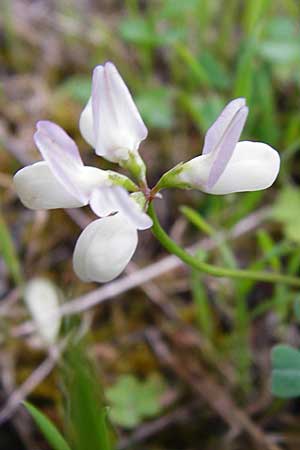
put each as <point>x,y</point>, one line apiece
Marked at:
<point>124,397</point>
<point>86,413</point>
<point>77,87</point>
<point>281,42</point>
<point>150,393</point>
<point>133,400</point>
<point>280,52</point>
<point>287,211</point>
<point>254,12</point>
<point>245,69</point>
<point>297,307</point>
<point>8,252</point>
<point>50,432</point>
<point>204,314</point>
<point>197,220</point>
<point>267,244</point>
<point>193,66</point>
<point>267,127</point>
<point>156,107</point>
<point>139,31</point>
<point>286,371</point>
<point>173,35</point>
<point>216,71</point>
<point>203,111</point>
<point>175,9</point>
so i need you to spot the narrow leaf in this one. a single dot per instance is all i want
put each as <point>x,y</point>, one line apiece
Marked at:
<point>286,371</point>
<point>85,411</point>
<point>8,251</point>
<point>50,432</point>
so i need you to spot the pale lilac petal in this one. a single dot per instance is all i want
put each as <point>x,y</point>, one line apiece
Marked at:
<point>62,155</point>
<point>63,141</point>
<point>118,126</point>
<point>226,146</point>
<point>219,127</point>
<point>105,201</point>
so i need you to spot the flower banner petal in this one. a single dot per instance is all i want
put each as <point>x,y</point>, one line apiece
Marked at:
<point>223,152</point>
<point>62,155</point>
<point>111,121</point>
<point>219,127</point>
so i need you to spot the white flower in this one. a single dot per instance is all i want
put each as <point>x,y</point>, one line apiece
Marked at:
<point>226,165</point>
<point>62,181</point>
<point>110,122</point>
<point>253,166</point>
<point>42,299</point>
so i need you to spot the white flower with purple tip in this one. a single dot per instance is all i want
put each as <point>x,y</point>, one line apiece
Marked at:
<point>226,165</point>
<point>110,122</point>
<point>63,181</point>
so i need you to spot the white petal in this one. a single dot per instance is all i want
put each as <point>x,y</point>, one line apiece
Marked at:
<point>111,121</point>
<point>42,299</point>
<point>253,166</point>
<point>104,249</point>
<point>105,201</point>
<point>38,188</point>
<point>91,178</point>
<point>86,125</point>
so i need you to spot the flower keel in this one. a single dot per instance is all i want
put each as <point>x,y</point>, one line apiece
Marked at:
<point>104,248</point>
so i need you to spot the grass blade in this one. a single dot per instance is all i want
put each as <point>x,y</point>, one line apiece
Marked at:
<point>50,432</point>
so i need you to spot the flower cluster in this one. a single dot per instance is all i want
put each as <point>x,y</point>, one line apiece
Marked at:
<point>112,125</point>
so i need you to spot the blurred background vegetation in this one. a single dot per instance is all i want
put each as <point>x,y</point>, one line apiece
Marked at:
<point>184,358</point>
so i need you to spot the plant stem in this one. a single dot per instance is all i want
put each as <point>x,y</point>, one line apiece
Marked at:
<point>172,247</point>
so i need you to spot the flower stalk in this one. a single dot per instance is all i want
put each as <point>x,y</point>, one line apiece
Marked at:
<point>201,266</point>
<point>136,167</point>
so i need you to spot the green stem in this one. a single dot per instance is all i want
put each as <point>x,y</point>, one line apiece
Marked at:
<point>172,247</point>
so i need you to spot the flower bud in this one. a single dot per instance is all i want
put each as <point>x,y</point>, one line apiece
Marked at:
<point>110,122</point>
<point>253,166</point>
<point>226,165</point>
